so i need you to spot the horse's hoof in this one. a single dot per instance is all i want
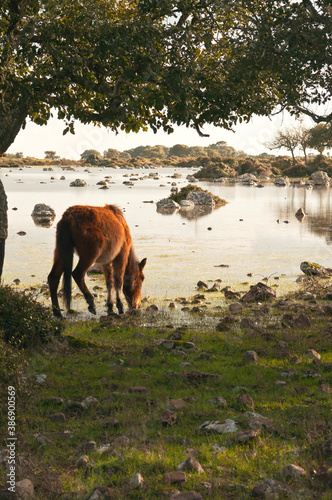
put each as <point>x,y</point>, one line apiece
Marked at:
<point>57,313</point>
<point>71,312</point>
<point>92,310</point>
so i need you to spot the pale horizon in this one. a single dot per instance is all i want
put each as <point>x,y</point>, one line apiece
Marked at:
<point>34,140</point>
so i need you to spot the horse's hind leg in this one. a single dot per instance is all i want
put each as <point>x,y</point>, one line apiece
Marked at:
<point>119,267</point>
<point>78,275</point>
<point>108,273</point>
<point>53,283</point>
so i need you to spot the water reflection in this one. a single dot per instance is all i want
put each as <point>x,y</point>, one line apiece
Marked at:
<point>43,221</point>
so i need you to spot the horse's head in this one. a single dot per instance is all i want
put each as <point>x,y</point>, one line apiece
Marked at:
<point>132,284</point>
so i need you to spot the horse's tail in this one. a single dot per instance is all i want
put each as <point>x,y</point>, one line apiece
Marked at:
<point>65,247</point>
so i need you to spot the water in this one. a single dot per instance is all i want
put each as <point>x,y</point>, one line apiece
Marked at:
<point>243,235</point>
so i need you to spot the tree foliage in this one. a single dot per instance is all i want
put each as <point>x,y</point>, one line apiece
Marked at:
<point>136,64</point>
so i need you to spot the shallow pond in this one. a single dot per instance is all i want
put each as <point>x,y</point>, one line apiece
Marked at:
<point>181,250</point>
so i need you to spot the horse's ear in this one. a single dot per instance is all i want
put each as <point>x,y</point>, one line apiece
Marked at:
<point>141,265</point>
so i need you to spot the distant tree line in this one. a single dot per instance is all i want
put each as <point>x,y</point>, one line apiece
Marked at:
<point>220,148</point>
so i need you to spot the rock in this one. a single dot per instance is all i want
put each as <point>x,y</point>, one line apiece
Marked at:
<point>219,401</point>
<point>121,441</point>
<point>311,354</point>
<point>272,490</point>
<point>177,404</point>
<point>294,471</point>
<point>201,285</point>
<point>187,495</point>
<point>167,203</point>
<point>57,417</point>
<point>248,435</point>
<point>201,198</point>
<point>24,489</point>
<point>229,426</point>
<point>102,493</point>
<point>259,293</point>
<point>313,269</point>
<point>250,357</point>
<point>235,308</point>
<point>140,389</point>
<point>191,464</point>
<point>214,288</point>
<point>136,481</point>
<point>43,215</point>
<point>78,183</point>
<point>320,178</point>
<point>300,212</point>
<point>282,181</point>
<point>225,323</point>
<point>168,418</point>
<point>245,400</point>
<point>41,378</point>
<point>187,205</point>
<point>82,461</point>
<point>174,477</point>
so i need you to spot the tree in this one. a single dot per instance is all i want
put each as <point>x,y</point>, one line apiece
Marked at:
<point>133,64</point>
<point>320,138</point>
<point>50,155</point>
<point>111,154</point>
<point>303,136</point>
<point>179,150</point>
<point>287,139</point>
<point>89,153</point>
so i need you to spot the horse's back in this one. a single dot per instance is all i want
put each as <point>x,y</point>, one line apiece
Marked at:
<point>100,228</point>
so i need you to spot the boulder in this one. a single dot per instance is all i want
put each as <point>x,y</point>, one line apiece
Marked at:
<point>201,198</point>
<point>282,181</point>
<point>313,269</point>
<point>43,215</point>
<point>78,183</point>
<point>259,293</point>
<point>166,205</point>
<point>320,178</point>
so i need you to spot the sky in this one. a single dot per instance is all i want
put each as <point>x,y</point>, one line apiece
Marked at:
<point>34,140</point>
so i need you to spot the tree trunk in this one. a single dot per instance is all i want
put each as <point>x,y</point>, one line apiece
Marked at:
<point>11,122</point>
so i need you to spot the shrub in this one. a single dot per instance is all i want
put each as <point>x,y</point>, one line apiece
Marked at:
<point>24,322</point>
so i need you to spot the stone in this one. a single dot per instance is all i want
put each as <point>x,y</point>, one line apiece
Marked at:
<point>174,477</point>
<point>102,493</point>
<point>259,293</point>
<point>282,181</point>
<point>229,426</point>
<point>248,435</point>
<point>302,320</point>
<point>167,203</point>
<point>187,495</point>
<point>121,441</point>
<point>78,183</point>
<point>294,471</point>
<point>311,354</point>
<point>57,417</point>
<point>168,418</point>
<point>136,481</point>
<point>250,357</point>
<point>177,404</point>
<point>43,215</point>
<point>314,269</point>
<point>272,490</point>
<point>219,401</point>
<point>320,178</point>
<point>191,464</point>
<point>235,308</point>
<point>24,489</point>
<point>300,212</point>
<point>82,461</point>
<point>201,198</point>
<point>245,400</point>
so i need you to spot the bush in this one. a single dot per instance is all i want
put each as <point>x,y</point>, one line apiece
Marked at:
<point>24,322</point>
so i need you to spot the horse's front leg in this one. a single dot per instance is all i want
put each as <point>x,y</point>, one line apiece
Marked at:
<point>108,274</point>
<point>119,266</point>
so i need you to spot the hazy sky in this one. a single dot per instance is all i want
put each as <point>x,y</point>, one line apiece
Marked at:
<point>35,139</point>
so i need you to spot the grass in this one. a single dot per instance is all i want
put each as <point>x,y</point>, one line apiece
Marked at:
<point>126,367</point>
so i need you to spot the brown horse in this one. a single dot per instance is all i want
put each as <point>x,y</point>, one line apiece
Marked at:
<point>97,234</point>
